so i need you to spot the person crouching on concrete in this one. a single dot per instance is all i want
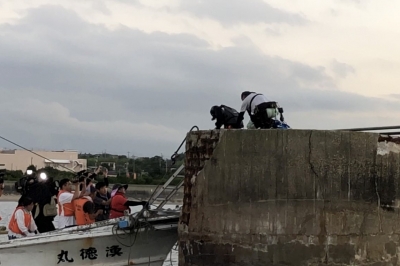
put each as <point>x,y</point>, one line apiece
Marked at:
<point>119,202</point>
<point>260,109</point>
<point>225,116</point>
<point>21,222</point>
<point>85,209</point>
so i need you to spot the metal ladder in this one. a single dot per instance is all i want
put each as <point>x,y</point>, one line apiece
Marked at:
<point>164,187</point>
<point>177,173</point>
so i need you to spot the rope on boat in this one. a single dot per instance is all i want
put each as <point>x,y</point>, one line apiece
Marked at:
<point>133,232</point>
<point>137,225</point>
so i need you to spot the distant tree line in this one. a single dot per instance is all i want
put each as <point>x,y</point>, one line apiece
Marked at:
<point>148,170</point>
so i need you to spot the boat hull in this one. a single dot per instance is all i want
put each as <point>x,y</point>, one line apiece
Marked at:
<point>98,246</point>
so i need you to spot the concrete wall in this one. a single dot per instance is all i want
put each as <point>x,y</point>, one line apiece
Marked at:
<point>292,197</point>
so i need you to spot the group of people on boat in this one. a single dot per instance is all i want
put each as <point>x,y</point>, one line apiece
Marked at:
<point>262,112</point>
<point>80,202</point>
<point>90,203</point>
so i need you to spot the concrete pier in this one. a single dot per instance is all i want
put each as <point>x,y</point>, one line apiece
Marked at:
<point>290,197</point>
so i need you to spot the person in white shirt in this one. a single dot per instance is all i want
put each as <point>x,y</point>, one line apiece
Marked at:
<point>66,210</point>
<point>259,108</point>
<point>21,223</point>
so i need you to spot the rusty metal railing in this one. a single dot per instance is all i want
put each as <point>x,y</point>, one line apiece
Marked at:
<point>393,133</point>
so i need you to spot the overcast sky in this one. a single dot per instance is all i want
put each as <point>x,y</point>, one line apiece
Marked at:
<point>135,75</point>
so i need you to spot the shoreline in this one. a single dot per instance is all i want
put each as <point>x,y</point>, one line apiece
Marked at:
<point>10,197</point>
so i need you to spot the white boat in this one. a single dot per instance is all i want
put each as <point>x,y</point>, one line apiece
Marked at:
<point>102,243</point>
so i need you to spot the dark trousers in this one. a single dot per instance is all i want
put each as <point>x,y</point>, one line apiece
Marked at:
<point>233,126</point>
<point>260,118</point>
<point>44,223</point>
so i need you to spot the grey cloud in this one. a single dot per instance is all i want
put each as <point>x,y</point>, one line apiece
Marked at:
<point>66,83</point>
<point>395,96</point>
<point>101,6</point>
<point>230,12</point>
<point>342,69</point>
<point>273,32</point>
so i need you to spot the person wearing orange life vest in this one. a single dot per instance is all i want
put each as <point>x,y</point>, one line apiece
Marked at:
<point>65,198</point>
<point>21,223</point>
<point>119,202</point>
<point>85,208</point>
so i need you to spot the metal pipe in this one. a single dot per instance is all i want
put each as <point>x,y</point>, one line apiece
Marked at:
<point>390,133</point>
<point>370,128</point>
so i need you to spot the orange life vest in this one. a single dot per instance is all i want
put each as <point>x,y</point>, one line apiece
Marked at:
<point>117,206</point>
<point>67,207</point>
<point>13,225</point>
<point>81,217</point>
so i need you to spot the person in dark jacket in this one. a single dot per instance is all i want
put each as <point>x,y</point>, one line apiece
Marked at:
<point>225,116</point>
<point>102,201</point>
<point>42,193</point>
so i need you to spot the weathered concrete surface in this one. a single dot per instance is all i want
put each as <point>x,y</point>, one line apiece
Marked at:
<point>290,197</point>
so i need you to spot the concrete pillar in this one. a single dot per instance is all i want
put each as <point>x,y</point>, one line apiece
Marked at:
<point>290,197</point>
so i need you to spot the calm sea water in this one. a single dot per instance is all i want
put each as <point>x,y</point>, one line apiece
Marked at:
<point>6,209</point>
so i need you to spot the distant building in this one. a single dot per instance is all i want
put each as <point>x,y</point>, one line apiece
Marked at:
<point>110,165</point>
<point>21,159</point>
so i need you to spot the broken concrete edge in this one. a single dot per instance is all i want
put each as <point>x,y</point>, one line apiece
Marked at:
<point>199,148</point>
